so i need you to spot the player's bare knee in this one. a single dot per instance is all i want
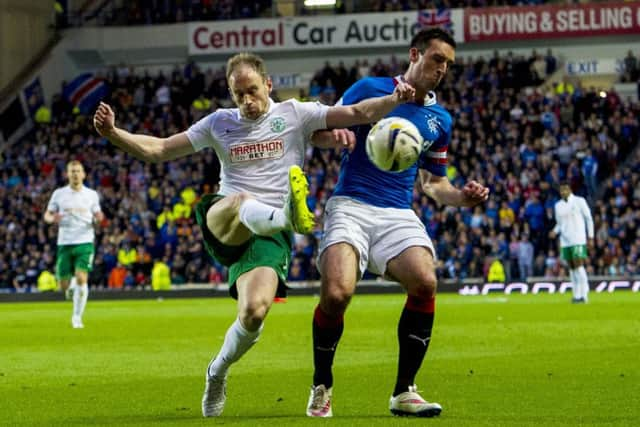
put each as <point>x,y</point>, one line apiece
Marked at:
<point>335,300</point>
<point>253,313</point>
<point>425,287</point>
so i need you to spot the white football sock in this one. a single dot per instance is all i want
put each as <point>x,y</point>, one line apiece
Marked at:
<point>237,342</point>
<point>262,219</point>
<point>575,284</point>
<point>73,284</point>
<point>80,296</point>
<point>581,273</point>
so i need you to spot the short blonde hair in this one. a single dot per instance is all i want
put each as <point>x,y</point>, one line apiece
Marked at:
<point>249,59</point>
<point>75,163</point>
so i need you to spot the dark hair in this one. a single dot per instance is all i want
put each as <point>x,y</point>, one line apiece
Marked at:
<point>422,39</point>
<point>564,182</point>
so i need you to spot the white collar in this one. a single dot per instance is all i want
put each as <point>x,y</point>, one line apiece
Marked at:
<point>430,99</point>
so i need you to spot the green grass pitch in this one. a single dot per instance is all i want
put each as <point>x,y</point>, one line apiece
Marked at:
<point>522,360</point>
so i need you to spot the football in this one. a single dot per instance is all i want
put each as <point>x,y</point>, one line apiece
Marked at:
<point>394,144</point>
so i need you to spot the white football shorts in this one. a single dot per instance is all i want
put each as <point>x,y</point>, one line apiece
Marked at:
<point>377,234</point>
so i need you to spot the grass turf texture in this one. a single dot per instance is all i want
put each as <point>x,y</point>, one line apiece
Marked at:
<point>532,360</point>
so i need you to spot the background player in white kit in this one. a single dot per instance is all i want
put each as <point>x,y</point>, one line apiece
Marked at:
<point>574,224</point>
<point>247,225</point>
<point>74,208</point>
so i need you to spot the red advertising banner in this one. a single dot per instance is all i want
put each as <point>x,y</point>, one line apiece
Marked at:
<point>543,22</point>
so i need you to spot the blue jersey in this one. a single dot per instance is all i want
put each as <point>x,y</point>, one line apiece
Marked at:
<point>362,180</point>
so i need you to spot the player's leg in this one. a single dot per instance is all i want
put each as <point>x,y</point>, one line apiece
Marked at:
<point>566,256</point>
<point>414,269</point>
<point>66,286</point>
<point>64,274</point>
<point>256,277</point>
<point>343,259</point>
<point>233,218</point>
<point>80,297</point>
<point>256,290</point>
<point>339,267</point>
<point>579,255</point>
<point>575,284</point>
<point>83,263</point>
<point>404,252</point>
<point>64,268</point>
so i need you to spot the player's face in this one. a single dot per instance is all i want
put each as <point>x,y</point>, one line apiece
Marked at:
<point>76,175</point>
<point>429,67</point>
<point>565,191</point>
<point>250,91</point>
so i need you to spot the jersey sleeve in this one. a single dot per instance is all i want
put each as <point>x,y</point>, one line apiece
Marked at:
<point>312,116</point>
<point>362,89</point>
<point>200,133</point>
<point>95,204</point>
<point>588,220</point>
<point>434,158</point>
<point>53,205</point>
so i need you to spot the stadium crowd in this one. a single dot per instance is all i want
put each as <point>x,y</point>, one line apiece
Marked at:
<point>512,132</point>
<point>150,12</point>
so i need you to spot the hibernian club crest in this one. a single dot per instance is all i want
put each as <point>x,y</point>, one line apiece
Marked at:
<point>278,124</point>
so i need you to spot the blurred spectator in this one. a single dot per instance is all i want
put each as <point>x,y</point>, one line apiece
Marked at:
<point>117,277</point>
<point>47,281</point>
<point>525,257</point>
<point>630,73</point>
<point>161,275</point>
<point>496,272</point>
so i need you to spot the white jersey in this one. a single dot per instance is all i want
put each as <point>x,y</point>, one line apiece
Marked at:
<point>255,155</point>
<point>573,221</point>
<point>78,209</point>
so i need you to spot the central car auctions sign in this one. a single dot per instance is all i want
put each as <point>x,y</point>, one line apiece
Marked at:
<point>540,22</point>
<point>374,30</point>
<point>296,33</point>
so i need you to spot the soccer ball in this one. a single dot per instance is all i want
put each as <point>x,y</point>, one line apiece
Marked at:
<point>394,144</point>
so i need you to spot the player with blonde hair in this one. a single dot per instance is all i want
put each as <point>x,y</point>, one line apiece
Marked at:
<point>75,208</point>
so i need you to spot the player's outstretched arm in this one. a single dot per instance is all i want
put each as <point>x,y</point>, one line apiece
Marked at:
<point>369,110</point>
<point>440,189</point>
<point>143,147</point>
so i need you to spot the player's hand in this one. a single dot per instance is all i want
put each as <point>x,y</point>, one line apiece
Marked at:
<point>403,92</point>
<point>552,235</point>
<point>104,119</point>
<point>344,138</point>
<point>475,193</point>
<point>57,217</point>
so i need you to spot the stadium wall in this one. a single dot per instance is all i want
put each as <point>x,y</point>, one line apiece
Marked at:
<point>25,28</point>
<point>467,287</point>
<point>303,44</point>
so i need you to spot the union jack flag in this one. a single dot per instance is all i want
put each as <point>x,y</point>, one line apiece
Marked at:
<point>429,18</point>
<point>85,91</point>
